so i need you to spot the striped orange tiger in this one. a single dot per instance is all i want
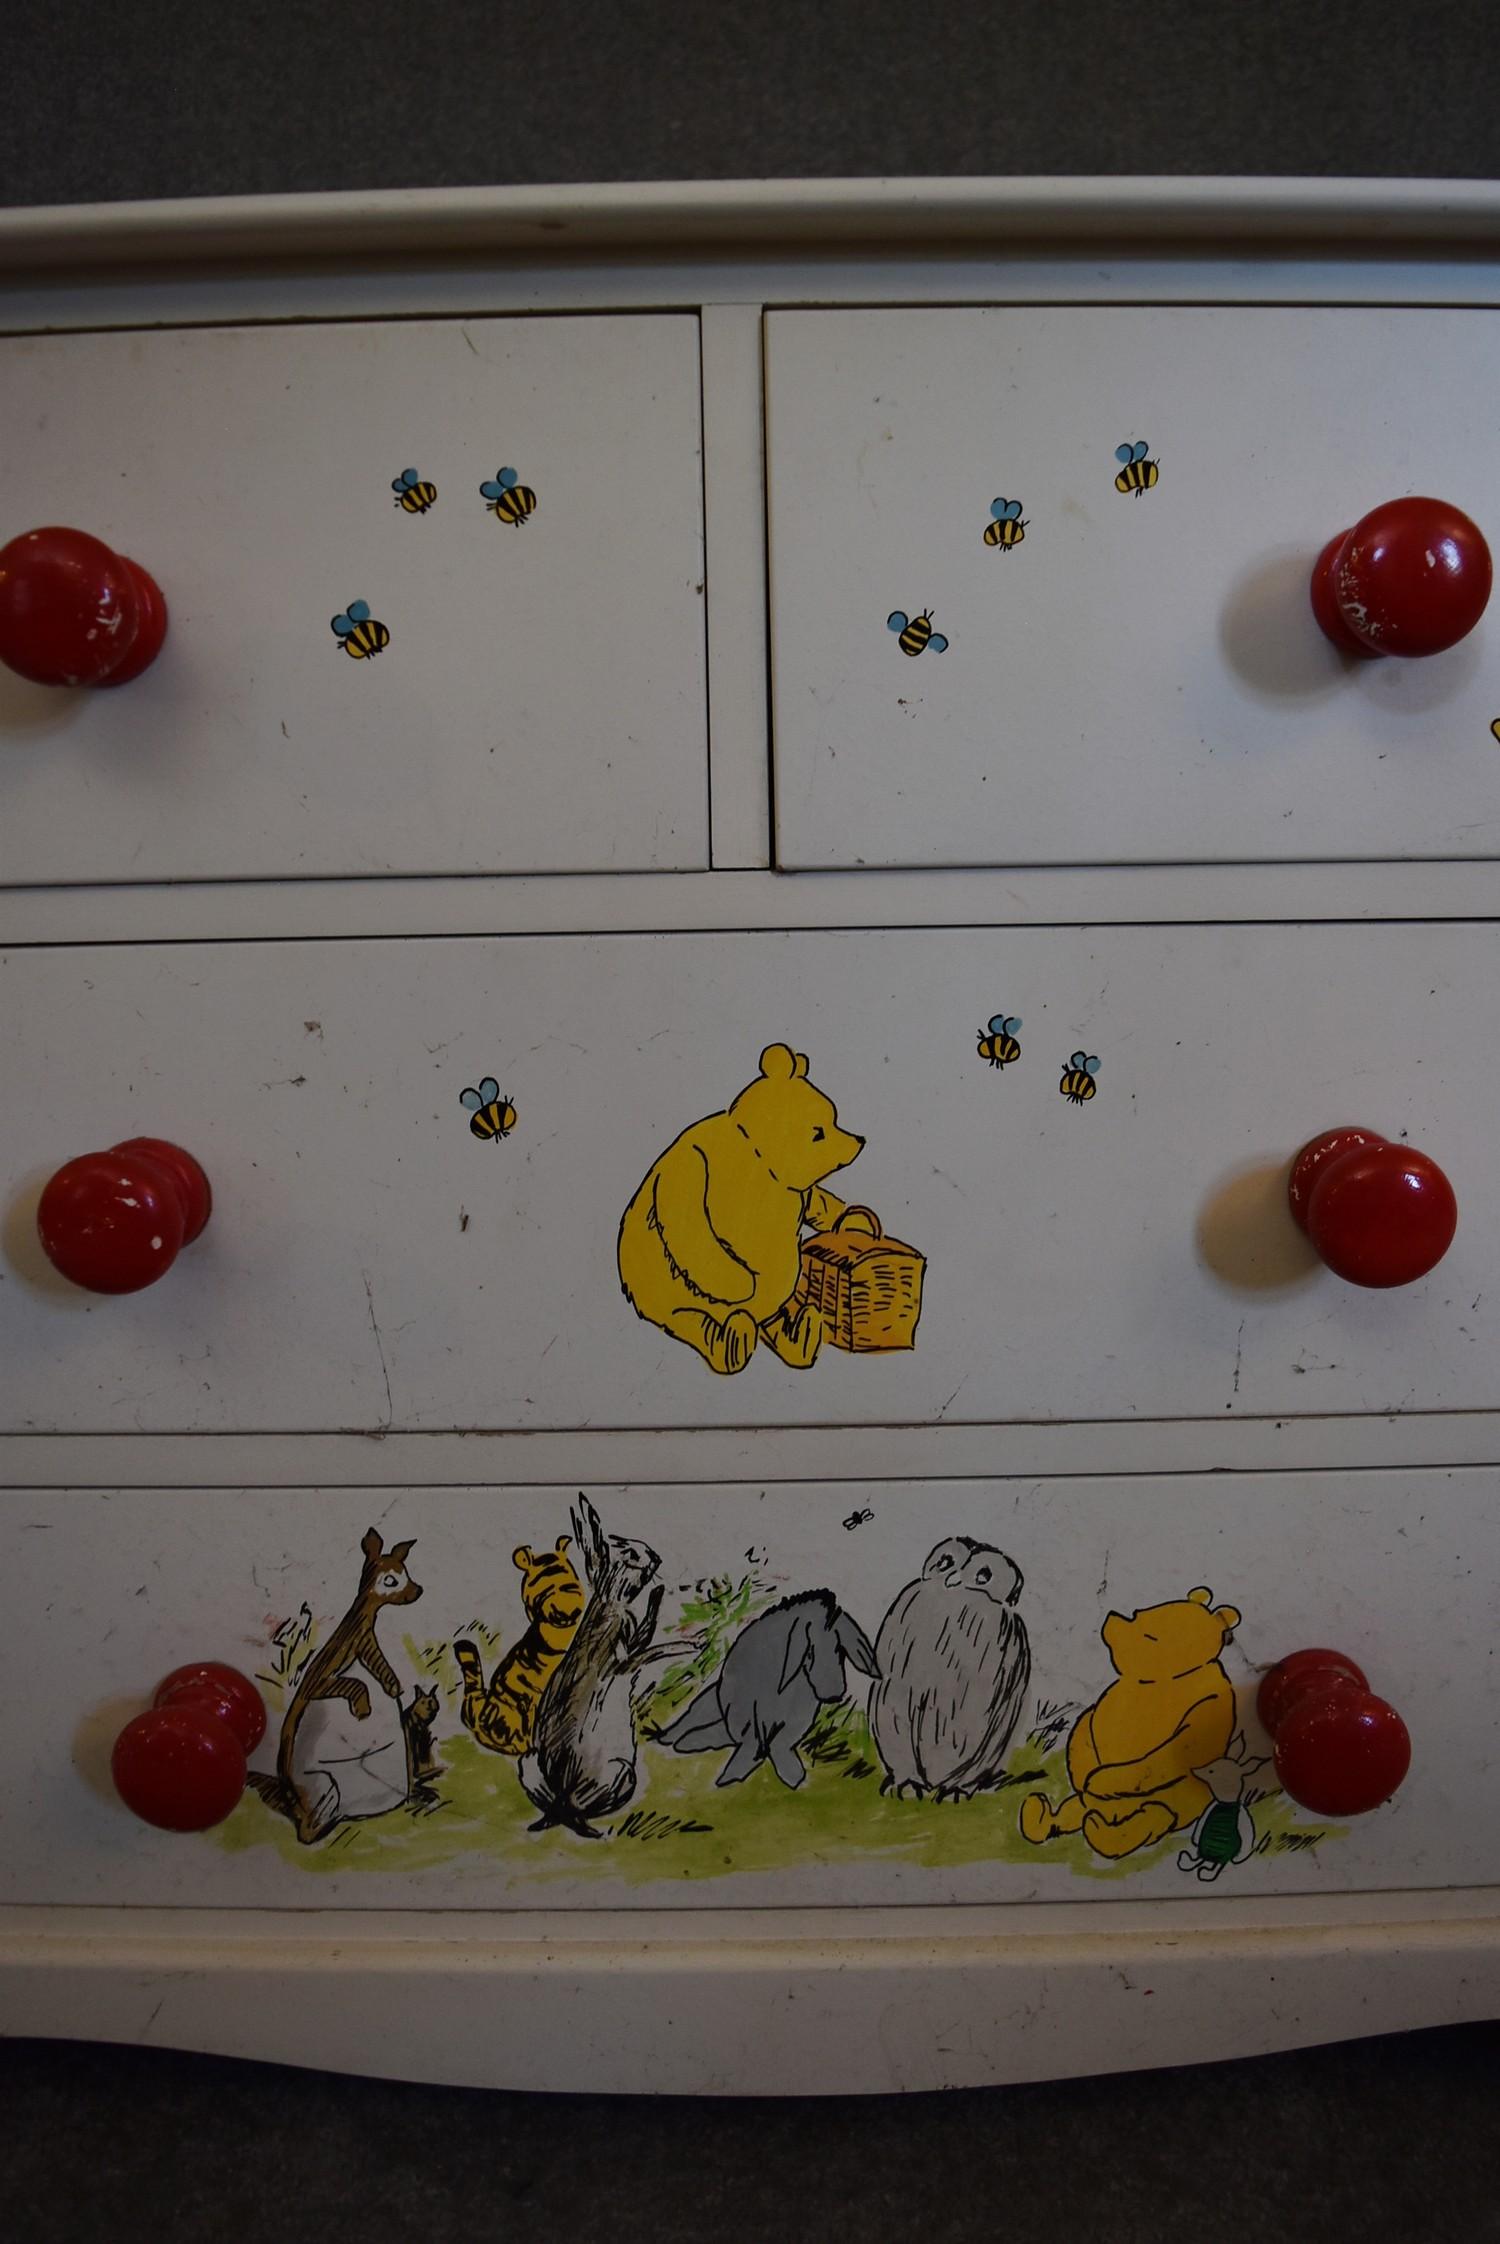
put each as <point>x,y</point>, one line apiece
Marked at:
<point>503,1716</point>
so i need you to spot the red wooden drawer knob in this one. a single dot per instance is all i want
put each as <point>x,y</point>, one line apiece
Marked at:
<point>181,1766</point>
<point>114,1222</point>
<point>1340,1750</point>
<point>1378,1214</point>
<point>72,613</point>
<point>1411,578</point>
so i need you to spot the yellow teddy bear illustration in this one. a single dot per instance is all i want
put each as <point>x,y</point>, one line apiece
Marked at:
<point>710,1244</point>
<point>1131,1757</point>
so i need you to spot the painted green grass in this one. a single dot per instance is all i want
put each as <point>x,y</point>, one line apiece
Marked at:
<point>682,1825</point>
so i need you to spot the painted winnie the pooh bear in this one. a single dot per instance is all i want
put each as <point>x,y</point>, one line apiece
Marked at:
<point>710,1246</point>
<point>1131,1757</point>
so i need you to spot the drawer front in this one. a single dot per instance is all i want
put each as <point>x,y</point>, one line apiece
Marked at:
<point>540,704</point>
<point>986,1666</point>
<point>1140,677</point>
<point>372,1263</point>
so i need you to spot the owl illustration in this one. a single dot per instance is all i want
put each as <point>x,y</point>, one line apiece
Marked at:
<point>955,1665</point>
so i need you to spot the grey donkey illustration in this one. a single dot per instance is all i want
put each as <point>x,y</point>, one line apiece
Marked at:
<point>779,1670</point>
<point>955,1667</point>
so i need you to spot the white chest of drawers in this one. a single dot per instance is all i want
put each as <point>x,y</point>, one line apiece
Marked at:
<point>642,800</point>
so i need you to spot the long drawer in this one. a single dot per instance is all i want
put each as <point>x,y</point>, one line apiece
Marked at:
<point>1067,1245</point>
<point>985,1604</point>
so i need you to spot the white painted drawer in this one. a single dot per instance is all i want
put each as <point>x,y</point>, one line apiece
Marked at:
<point>371,1264</point>
<point>106,1591</point>
<point>540,704</point>
<point>1140,679</point>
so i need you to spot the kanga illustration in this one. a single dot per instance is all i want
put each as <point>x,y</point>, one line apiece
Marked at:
<point>711,1247</point>
<point>347,1753</point>
<point>1134,1754</point>
<point>503,1716</point>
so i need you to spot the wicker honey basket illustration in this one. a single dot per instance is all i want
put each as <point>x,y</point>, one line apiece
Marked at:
<point>868,1288</point>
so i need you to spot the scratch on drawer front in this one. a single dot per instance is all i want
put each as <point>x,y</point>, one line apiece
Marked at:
<point>390,1408</point>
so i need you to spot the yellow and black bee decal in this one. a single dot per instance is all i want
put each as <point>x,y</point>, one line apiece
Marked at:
<point>916,632</point>
<point>1005,528</point>
<point>509,499</point>
<point>490,1115</point>
<point>997,1043</point>
<point>1137,473</point>
<point>413,496</point>
<point>1078,1077</point>
<point>358,633</point>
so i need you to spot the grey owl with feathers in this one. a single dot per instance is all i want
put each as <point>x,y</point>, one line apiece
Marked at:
<point>955,1667</point>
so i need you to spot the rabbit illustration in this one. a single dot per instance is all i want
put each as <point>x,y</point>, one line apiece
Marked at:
<point>1225,1832</point>
<point>349,1749</point>
<point>779,1670</point>
<point>584,1761</point>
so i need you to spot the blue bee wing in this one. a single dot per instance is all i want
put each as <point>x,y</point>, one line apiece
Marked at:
<point>491,491</point>
<point>938,643</point>
<point>999,508</point>
<point>1013,1023</point>
<point>489,1089</point>
<point>359,611</point>
<point>1078,1059</point>
<point>1138,451</point>
<point>342,625</point>
<point>1124,453</point>
<point>1012,511</point>
<point>507,479</point>
<point>472,1101</point>
<point>398,483</point>
<point>998,1024</point>
<point>895,621</point>
<point>1091,1064</point>
<point>410,476</point>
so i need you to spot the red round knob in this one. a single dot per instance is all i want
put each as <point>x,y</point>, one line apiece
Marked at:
<point>1340,1750</point>
<point>1378,1214</point>
<point>1411,578</point>
<point>181,1765</point>
<point>218,1690</point>
<point>114,1222</point>
<point>72,613</point>
<point>1315,1157</point>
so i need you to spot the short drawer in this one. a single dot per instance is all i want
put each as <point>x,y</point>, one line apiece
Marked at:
<point>513,1182</point>
<point>753,1758</point>
<point>1132,672</point>
<point>538,701</point>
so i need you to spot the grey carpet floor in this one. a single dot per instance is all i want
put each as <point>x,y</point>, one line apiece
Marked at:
<point>1392,2139</point>
<point>183,97</point>
<point>1386,2142</point>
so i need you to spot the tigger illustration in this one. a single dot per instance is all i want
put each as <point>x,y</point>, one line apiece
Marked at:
<point>503,1717</point>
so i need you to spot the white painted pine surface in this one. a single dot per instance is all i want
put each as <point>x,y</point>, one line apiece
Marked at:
<point>1140,680</point>
<point>541,704</point>
<point>113,1589</point>
<point>371,1265</point>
